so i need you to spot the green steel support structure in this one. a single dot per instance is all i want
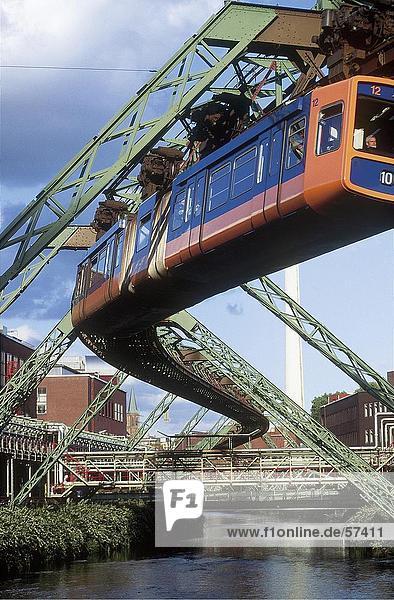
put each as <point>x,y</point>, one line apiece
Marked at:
<point>154,416</point>
<point>190,425</point>
<point>184,331</point>
<point>108,159</point>
<point>317,335</point>
<point>230,50</point>
<point>29,375</point>
<point>92,410</point>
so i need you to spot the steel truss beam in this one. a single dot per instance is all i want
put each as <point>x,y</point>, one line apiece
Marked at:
<point>91,411</point>
<point>130,133</point>
<point>34,369</point>
<point>184,331</point>
<point>320,337</point>
<point>224,53</point>
<point>190,425</point>
<point>154,416</point>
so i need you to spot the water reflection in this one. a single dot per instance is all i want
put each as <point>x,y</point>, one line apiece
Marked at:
<point>216,573</point>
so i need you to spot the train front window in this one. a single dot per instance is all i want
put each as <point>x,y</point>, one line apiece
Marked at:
<point>374,126</point>
<point>329,129</point>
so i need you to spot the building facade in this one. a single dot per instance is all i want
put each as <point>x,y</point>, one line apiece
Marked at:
<point>359,420</point>
<point>64,394</point>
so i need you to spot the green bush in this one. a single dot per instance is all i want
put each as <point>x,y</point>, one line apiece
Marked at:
<point>37,537</point>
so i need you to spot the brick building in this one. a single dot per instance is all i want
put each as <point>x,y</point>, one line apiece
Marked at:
<point>64,394</point>
<point>13,353</point>
<point>359,419</point>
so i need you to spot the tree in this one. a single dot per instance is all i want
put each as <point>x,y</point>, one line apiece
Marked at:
<point>319,401</point>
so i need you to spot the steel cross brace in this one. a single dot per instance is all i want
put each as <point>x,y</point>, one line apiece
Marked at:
<point>321,338</point>
<point>91,411</point>
<point>154,416</point>
<point>190,425</point>
<point>184,330</point>
<point>132,132</point>
<point>34,369</point>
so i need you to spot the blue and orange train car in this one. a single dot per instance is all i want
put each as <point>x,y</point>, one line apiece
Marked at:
<point>314,175</point>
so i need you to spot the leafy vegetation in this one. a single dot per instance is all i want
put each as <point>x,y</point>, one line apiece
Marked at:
<point>36,537</point>
<point>318,402</point>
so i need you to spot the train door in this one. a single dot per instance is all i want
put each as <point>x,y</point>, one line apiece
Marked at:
<point>271,211</point>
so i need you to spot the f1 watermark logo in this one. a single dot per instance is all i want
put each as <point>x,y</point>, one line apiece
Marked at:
<point>183,499</point>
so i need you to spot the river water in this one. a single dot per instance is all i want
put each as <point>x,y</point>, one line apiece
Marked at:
<point>226,573</point>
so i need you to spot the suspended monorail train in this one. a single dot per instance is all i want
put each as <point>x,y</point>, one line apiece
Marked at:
<point>314,175</point>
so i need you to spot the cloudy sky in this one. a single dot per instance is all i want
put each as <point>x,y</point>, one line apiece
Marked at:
<point>47,115</point>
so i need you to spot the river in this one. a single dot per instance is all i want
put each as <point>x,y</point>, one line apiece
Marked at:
<point>226,573</point>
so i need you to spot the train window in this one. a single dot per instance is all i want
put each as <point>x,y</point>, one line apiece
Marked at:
<point>218,186</point>
<point>329,129</point>
<point>101,261</point>
<point>374,126</point>
<point>108,264</point>
<point>179,210</point>
<point>243,172</point>
<point>295,143</point>
<point>144,232</point>
<point>199,196</point>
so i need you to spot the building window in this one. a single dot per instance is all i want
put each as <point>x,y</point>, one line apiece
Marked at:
<point>329,129</point>
<point>366,410</point>
<point>41,401</point>
<point>367,436</point>
<point>296,142</point>
<point>371,437</point>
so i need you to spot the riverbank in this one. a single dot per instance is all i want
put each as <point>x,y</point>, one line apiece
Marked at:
<point>41,537</point>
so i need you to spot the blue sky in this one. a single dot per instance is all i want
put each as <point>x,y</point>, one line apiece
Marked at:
<point>48,115</point>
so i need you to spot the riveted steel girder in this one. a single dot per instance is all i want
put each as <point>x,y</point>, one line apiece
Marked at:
<point>320,337</point>
<point>91,411</point>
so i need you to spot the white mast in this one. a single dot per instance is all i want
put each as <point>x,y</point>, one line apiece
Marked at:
<point>294,380</point>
